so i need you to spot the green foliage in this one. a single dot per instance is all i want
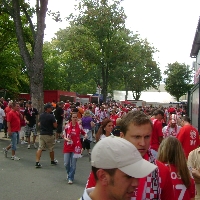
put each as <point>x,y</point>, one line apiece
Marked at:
<point>103,21</point>
<point>140,72</point>
<point>179,79</point>
<point>13,74</point>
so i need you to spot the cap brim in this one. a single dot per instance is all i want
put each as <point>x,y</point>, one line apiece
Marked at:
<point>139,169</point>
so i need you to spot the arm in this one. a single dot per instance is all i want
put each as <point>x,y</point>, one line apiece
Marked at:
<point>160,133</point>
<point>26,121</point>
<point>55,124</point>
<point>83,132</point>
<point>9,128</point>
<point>195,173</point>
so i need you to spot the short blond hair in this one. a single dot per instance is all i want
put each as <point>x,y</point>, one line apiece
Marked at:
<point>87,113</point>
<point>118,120</point>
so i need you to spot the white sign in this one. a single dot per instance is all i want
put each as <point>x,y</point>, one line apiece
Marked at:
<point>98,90</point>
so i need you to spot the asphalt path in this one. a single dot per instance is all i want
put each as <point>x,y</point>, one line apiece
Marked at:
<point>20,180</point>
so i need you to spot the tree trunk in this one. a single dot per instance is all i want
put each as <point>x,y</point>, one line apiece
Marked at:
<point>34,63</point>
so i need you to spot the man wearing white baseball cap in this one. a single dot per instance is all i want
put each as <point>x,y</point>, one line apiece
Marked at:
<point>117,165</point>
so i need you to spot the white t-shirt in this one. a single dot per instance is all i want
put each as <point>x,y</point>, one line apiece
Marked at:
<point>2,115</point>
<point>86,194</point>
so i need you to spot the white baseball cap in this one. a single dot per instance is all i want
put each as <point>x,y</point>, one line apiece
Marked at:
<point>115,152</point>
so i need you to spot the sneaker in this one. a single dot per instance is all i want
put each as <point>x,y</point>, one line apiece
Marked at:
<point>5,152</point>
<point>38,165</point>
<point>29,146</point>
<point>23,142</point>
<point>70,182</point>
<point>57,141</point>
<point>15,158</point>
<point>55,162</point>
<point>35,146</point>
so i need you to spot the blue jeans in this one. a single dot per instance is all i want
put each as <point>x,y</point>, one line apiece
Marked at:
<point>70,165</point>
<point>14,140</point>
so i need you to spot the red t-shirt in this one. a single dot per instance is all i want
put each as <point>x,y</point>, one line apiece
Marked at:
<point>14,118</point>
<point>180,190</point>
<point>166,186</point>
<point>114,118</point>
<point>189,138</point>
<point>7,110</point>
<point>156,133</point>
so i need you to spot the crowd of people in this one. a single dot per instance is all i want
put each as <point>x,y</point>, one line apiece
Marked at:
<point>163,137</point>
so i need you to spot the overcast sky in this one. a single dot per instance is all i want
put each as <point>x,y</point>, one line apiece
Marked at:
<point>169,25</point>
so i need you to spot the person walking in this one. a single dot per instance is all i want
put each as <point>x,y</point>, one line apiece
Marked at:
<point>47,123</point>
<point>30,114</point>
<point>172,129</point>
<point>116,165</point>
<point>72,146</point>
<point>2,116</point>
<point>136,127</point>
<point>172,155</point>
<point>13,124</point>
<point>188,136</point>
<point>87,123</point>
<point>59,115</point>
<point>7,109</point>
<point>157,135</point>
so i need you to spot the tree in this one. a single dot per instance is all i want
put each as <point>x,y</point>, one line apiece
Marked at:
<point>13,74</point>
<point>139,72</point>
<point>104,20</point>
<point>178,81</point>
<point>75,46</point>
<point>28,33</point>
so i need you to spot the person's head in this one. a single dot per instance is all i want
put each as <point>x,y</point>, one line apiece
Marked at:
<point>173,120</point>
<point>171,152</point>
<point>117,165</point>
<point>107,126</point>
<point>61,104</point>
<point>48,107</point>
<point>118,120</point>
<point>87,113</point>
<point>78,104</point>
<point>29,104</point>
<point>74,117</point>
<point>102,108</point>
<point>136,127</point>
<point>184,120</point>
<point>21,104</point>
<point>15,106</point>
<point>159,114</point>
<point>10,104</point>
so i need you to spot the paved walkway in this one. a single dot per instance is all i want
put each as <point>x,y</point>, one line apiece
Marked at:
<point>20,180</point>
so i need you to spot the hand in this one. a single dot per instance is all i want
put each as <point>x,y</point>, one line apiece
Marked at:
<point>9,133</point>
<point>85,137</point>
<point>195,172</point>
<point>27,122</point>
